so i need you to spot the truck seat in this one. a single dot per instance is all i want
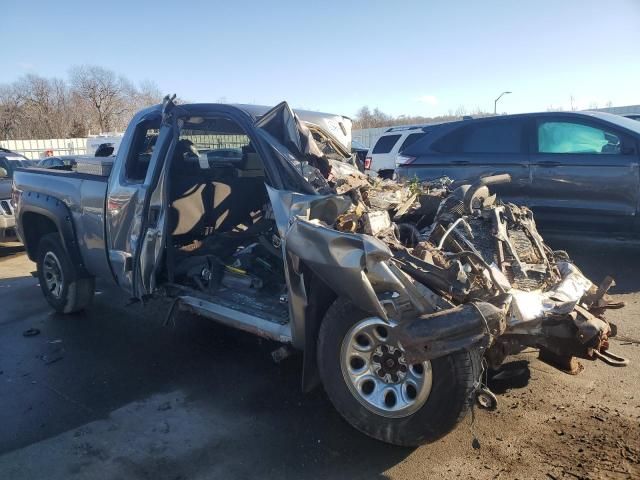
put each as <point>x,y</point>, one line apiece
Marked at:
<point>204,201</point>
<point>189,214</point>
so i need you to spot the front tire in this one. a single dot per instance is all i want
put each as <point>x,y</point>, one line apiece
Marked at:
<point>378,393</point>
<point>60,281</point>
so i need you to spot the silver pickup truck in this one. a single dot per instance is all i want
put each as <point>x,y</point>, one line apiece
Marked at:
<point>399,295</point>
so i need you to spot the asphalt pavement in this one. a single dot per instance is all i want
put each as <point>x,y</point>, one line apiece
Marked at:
<point>115,393</point>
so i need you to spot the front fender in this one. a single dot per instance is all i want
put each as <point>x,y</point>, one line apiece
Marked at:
<point>341,261</point>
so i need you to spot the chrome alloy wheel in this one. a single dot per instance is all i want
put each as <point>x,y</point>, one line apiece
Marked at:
<point>377,373</point>
<point>53,275</point>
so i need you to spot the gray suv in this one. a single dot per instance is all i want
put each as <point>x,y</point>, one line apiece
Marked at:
<point>577,170</point>
<point>9,161</point>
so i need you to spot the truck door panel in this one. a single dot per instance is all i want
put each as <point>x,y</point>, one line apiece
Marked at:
<point>131,186</point>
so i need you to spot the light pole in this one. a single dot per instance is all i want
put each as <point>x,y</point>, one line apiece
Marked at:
<point>495,103</point>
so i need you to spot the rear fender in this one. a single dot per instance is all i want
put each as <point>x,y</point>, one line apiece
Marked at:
<point>58,213</point>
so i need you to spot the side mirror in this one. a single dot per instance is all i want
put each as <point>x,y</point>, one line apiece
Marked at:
<point>3,172</point>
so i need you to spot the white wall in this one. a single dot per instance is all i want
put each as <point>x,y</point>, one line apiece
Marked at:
<point>35,149</point>
<point>368,136</point>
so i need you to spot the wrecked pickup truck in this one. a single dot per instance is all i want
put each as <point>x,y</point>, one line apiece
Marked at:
<point>400,296</point>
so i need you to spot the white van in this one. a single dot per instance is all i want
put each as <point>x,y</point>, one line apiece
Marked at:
<point>381,159</point>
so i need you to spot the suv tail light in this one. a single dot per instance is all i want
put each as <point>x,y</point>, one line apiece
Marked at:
<point>404,159</point>
<point>367,163</point>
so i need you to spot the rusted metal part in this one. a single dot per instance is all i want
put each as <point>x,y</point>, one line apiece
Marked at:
<point>592,331</point>
<point>565,363</point>
<point>476,194</point>
<point>611,358</point>
<point>437,334</point>
<point>599,300</point>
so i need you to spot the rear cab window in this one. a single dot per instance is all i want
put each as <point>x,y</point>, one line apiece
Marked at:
<point>385,144</point>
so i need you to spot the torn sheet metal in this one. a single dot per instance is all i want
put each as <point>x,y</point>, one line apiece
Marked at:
<point>367,238</point>
<point>559,300</point>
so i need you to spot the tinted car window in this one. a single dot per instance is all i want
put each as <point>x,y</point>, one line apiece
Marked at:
<point>411,139</point>
<point>569,137</point>
<point>486,137</point>
<point>385,143</point>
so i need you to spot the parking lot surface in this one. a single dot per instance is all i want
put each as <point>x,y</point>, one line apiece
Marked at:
<point>115,393</point>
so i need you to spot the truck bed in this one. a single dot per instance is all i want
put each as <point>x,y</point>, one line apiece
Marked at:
<point>84,196</point>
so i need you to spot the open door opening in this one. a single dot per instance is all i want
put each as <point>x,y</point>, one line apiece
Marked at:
<point>223,241</point>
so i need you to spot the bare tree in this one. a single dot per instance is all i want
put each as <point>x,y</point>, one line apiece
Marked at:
<point>95,99</point>
<point>365,118</point>
<point>145,95</point>
<point>108,94</point>
<point>44,105</point>
<point>461,111</point>
<point>11,112</point>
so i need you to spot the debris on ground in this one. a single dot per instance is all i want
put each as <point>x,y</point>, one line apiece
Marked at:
<point>53,356</point>
<point>54,352</point>
<point>31,332</point>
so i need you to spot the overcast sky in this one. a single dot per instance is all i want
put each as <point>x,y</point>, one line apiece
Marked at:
<point>409,57</point>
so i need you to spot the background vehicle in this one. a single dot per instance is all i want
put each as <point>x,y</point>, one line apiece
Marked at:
<point>107,143</point>
<point>360,152</point>
<point>633,116</point>
<point>381,159</point>
<point>63,162</point>
<point>577,170</point>
<point>105,149</point>
<point>9,161</point>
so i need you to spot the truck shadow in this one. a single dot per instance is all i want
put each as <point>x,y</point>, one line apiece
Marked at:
<point>10,249</point>
<point>510,375</point>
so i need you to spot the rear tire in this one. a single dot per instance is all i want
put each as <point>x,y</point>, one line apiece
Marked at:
<point>60,281</point>
<point>449,391</point>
